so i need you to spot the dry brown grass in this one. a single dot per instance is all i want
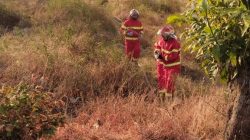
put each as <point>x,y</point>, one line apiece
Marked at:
<point>80,61</point>
<point>134,117</point>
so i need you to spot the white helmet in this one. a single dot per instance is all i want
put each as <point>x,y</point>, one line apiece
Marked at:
<point>167,32</point>
<point>134,14</point>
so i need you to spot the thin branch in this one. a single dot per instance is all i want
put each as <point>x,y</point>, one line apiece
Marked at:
<point>210,27</point>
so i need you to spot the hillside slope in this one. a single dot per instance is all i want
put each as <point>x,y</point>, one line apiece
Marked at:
<point>72,48</point>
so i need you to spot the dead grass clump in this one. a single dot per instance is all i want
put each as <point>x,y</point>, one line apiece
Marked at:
<point>81,17</point>
<point>114,117</point>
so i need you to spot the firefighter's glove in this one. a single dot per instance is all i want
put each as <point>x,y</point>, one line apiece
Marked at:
<point>157,55</point>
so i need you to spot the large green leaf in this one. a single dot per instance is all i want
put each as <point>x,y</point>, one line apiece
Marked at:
<point>216,53</point>
<point>224,75</point>
<point>204,5</point>
<point>207,30</point>
<point>233,58</point>
<point>246,20</point>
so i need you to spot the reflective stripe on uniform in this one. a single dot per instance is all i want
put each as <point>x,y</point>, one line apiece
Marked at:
<point>172,51</point>
<point>124,27</point>
<point>168,94</point>
<point>131,38</point>
<point>169,65</point>
<point>133,27</point>
<point>136,28</point>
<point>162,91</point>
<point>172,64</point>
<point>160,61</point>
<point>157,44</point>
<point>166,58</point>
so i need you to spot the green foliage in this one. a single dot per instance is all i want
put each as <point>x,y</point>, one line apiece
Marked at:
<point>176,18</point>
<point>219,35</point>
<point>27,113</point>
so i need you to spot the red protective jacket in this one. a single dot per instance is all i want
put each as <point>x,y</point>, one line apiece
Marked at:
<point>131,25</point>
<point>170,52</point>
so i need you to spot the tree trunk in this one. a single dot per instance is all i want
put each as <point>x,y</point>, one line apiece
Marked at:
<point>246,3</point>
<point>238,127</point>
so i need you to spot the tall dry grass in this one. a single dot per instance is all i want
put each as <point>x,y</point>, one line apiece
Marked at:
<point>73,50</point>
<point>138,118</point>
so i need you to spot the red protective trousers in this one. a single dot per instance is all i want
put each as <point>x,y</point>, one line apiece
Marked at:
<point>132,48</point>
<point>167,77</point>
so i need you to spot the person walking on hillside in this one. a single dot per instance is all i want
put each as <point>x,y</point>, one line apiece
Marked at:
<point>132,30</point>
<point>167,54</point>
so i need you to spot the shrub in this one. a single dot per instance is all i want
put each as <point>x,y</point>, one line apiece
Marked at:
<point>28,114</point>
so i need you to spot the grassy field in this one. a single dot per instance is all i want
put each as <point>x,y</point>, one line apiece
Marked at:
<point>72,48</point>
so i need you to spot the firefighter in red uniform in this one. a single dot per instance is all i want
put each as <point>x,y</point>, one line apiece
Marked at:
<point>167,54</point>
<point>132,29</point>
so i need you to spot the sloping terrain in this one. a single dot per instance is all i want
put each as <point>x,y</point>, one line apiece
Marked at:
<point>72,48</point>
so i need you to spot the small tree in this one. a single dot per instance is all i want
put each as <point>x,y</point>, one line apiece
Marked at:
<point>219,35</point>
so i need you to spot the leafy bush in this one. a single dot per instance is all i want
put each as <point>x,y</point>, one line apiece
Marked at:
<point>27,113</point>
<point>219,35</point>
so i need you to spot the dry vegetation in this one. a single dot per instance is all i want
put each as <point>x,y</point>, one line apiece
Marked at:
<point>72,48</point>
<point>137,118</point>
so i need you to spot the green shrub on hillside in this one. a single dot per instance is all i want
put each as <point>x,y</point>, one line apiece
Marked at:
<point>27,113</point>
